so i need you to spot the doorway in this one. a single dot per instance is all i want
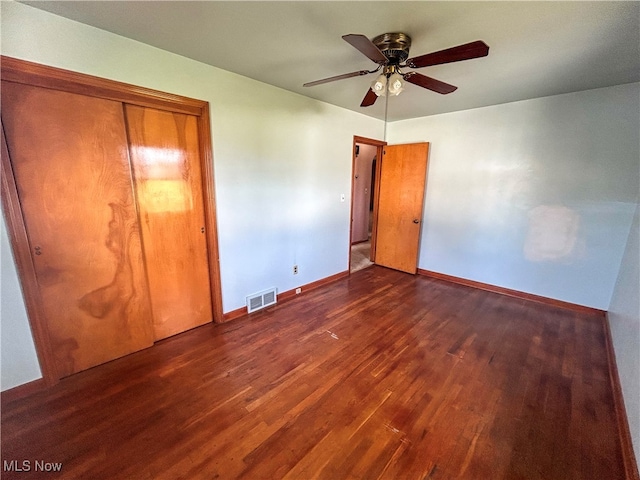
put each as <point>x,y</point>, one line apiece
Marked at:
<point>365,172</point>
<point>386,208</point>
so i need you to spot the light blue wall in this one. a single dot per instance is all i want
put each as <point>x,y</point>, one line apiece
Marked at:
<point>19,363</point>
<point>537,196</point>
<point>624,319</point>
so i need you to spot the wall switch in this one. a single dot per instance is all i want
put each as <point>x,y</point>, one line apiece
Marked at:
<point>295,269</point>
<point>342,197</point>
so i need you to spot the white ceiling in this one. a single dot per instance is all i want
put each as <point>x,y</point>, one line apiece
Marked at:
<point>536,48</point>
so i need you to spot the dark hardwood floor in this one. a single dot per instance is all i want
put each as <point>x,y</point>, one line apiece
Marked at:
<point>379,375</point>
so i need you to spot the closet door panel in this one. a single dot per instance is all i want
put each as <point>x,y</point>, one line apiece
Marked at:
<point>70,160</point>
<point>165,157</point>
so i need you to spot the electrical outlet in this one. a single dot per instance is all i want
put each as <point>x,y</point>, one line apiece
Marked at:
<point>298,291</point>
<point>295,269</point>
<point>342,197</point>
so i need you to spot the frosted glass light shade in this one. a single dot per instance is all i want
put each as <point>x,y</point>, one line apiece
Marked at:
<point>379,85</point>
<point>396,85</point>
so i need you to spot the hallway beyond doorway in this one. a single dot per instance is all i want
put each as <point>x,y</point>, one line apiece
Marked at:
<point>360,256</point>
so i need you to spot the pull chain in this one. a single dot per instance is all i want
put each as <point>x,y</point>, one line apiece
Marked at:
<point>386,106</point>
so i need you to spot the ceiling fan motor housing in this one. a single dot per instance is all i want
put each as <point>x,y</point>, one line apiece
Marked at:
<point>394,46</point>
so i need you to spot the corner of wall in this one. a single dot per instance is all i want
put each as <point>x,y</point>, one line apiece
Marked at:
<point>19,361</point>
<point>624,324</point>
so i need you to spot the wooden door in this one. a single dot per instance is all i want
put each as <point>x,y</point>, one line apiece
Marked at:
<point>71,166</point>
<point>402,181</point>
<point>168,183</point>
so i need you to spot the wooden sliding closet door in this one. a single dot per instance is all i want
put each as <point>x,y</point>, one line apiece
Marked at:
<point>70,162</point>
<point>168,183</point>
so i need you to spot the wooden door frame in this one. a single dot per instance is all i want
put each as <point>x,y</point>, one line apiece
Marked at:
<point>29,73</point>
<point>379,144</point>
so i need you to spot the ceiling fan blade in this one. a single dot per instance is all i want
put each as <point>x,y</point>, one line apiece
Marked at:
<point>337,77</point>
<point>369,99</point>
<point>429,83</point>
<point>366,47</point>
<point>454,54</point>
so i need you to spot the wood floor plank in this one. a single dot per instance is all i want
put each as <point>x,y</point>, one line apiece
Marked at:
<point>378,375</point>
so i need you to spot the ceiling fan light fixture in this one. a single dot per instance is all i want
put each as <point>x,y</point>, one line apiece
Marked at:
<point>390,51</point>
<point>396,84</point>
<point>379,85</point>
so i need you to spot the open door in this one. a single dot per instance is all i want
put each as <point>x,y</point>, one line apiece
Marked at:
<point>403,174</point>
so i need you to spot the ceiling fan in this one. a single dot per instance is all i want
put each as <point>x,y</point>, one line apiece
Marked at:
<point>389,51</point>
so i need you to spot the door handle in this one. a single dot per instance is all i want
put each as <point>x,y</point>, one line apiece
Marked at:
<point>415,220</point>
